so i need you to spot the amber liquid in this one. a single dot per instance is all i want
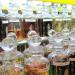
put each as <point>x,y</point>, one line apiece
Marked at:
<point>37,73</point>
<point>37,70</point>
<point>19,34</point>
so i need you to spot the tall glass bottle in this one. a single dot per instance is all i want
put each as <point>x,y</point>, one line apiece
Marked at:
<point>65,32</point>
<point>58,25</point>
<point>51,32</point>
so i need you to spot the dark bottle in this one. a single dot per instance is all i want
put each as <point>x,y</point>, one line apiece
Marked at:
<point>2,30</point>
<point>40,26</point>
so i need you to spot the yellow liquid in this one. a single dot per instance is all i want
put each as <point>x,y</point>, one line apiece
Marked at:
<point>37,73</point>
<point>36,69</point>
<point>13,72</point>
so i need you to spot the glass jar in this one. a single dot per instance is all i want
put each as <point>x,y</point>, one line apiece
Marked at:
<point>60,59</point>
<point>31,51</point>
<point>72,59</point>
<point>72,42</point>
<point>12,59</point>
<point>49,49</point>
<point>34,45</point>
<point>72,38</point>
<point>36,65</point>
<point>19,58</point>
<point>8,67</point>
<point>12,35</point>
<point>13,63</point>
<point>8,44</point>
<point>61,63</point>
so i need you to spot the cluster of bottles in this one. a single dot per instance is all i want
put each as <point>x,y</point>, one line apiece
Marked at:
<point>36,8</point>
<point>62,55</point>
<point>31,62</point>
<point>53,55</point>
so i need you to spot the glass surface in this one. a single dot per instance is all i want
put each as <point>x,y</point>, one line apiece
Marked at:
<point>12,35</point>
<point>12,69</point>
<point>72,38</point>
<point>61,58</point>
<point>19,34</point>
<point>58,41</point>
<point>31,33</point>
<point>37,65</point>
<point>58,25</point>
<point>34,41</point>
<point>8,44</point>
<point>58,37</point>
<point>13,63</point>
<point>65,32</point>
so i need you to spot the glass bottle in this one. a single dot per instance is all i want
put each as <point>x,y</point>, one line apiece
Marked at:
<point>12,59</point>
<point>12,35</point>
<point>37,65</point>
<point>72,55</point>
<point>58,25</point>
<point>12,66</point>
<point>31,32</point>
<point>51,32</point>
<point>18,64</point>
<point>8,44</point>
<point>65,32</point>
<point>47,46</point>
<point>34,46</point>
<point>58,41</point>
<point>72,38</point>
<point>61,63</point>
<point>19,34</point>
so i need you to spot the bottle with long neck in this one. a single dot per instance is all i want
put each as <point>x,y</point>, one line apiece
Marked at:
<point>59,27</point>
<point>65,31</point>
